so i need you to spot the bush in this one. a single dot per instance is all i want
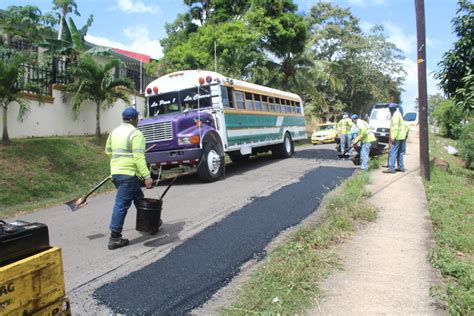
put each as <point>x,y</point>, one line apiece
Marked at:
<point>449,117</point>
<point>466,144</point>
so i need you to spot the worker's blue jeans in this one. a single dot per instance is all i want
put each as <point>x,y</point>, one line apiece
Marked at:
<point>364,156</point>
<point>397,149</point>
<point>128,190</point>
<point>346,141</point>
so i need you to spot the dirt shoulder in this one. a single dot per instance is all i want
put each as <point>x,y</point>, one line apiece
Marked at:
<point>386,267</point>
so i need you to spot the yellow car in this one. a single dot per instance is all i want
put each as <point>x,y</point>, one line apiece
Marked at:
<point>324,133</point>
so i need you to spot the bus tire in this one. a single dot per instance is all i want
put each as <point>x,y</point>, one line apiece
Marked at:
<point>238,157</point>
<point>285,149</point>
<point>212,165</point>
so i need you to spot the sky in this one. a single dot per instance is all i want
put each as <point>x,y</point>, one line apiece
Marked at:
<point>138,25</point>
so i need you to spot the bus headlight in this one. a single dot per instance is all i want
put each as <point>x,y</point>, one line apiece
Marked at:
<point>188,140</point>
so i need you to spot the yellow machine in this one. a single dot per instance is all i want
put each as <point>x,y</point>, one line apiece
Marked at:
<point>34,285</point>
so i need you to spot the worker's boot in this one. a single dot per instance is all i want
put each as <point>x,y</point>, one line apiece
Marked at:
<point>117,242</point>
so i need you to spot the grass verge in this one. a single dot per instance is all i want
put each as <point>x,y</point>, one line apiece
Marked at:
<point>286,281</point>
<point>451,205</point>
<point>39,172</point>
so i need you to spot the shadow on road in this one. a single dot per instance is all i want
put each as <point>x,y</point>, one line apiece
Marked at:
<point>168,233</point>
<point>238,168</point>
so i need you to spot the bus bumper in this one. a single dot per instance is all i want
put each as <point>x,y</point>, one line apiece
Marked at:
<point>174,157</point>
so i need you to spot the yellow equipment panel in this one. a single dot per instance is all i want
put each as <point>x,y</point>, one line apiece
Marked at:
<point>29,285</point>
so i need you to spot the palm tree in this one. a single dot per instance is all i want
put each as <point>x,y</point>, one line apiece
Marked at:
<point>94,82</point>
<point>11,86</point>
<point>64,7</point>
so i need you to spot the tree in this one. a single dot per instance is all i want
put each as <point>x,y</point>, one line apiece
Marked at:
<point>236,50</point>
<point>368,66</point>
<point>448,116</point>
<point>12,85</point>
<point>95,83</point>
<point>283,37</point>
<point>457,66</point>
<point>64,7</point>
<point>26,22</point>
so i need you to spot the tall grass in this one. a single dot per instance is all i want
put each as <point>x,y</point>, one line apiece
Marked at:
<point>451,205</point>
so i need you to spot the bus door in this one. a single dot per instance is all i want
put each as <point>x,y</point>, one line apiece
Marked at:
<point>219,98</point>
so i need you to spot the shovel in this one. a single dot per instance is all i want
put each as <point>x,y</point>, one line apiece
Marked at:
<point>80,202</point>
<point>76,204</point>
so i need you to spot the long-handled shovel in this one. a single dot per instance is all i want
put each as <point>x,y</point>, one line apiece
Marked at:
<point>76,204</point>
<point>80,202</point>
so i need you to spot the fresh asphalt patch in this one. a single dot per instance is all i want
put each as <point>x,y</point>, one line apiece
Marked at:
<point>192,272</point>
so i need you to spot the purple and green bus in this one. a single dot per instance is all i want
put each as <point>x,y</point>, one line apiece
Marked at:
<point>195,117</point>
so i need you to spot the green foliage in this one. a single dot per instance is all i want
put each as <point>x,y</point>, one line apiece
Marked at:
<point>450,201</point>
<point>26,22</point>
<point>466,144</point>
<point>236,50</point>
<point>64,7</point>
<point>367,66</point>
<point>449,116</point>
<point>12,84</point>
<point>94,82</point>
<point>457,74</point>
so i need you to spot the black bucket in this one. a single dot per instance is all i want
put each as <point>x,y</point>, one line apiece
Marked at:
<point>148,215</point>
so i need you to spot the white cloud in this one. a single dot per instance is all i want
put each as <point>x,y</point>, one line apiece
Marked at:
<point>139,41</point>
<point>142,42</point>
<point>396,35</point>
<point>411,84</point>
<point>366,2</point>
<point>128,6</point>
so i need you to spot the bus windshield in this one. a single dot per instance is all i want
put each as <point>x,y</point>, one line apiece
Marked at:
<point>178,101</point>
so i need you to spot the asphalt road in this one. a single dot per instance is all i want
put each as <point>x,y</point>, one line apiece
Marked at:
<point>209,230</point>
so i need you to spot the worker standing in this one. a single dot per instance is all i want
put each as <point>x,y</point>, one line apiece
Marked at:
<point>344,126</point>
<point>366,137</point>
<point>126,148</point>
<point>398,135</point>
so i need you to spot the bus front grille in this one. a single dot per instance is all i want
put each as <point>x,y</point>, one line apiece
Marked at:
<point>157,132</point>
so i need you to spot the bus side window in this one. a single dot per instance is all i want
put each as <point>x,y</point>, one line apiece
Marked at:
<point>231,97</point>
<point>277,105</point>
<point>264,103</point>
<point>248,101</point>
<point>225,97</point>
<point>271,104</point>
<point>239,99</point>
<point>283,105</point>
<point>258,103</point>
<point>288,107</point>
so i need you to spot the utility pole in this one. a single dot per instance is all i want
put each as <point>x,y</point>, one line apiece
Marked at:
<point>422,97</point>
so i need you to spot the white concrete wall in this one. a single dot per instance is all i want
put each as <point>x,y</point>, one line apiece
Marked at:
<point>56,119</point>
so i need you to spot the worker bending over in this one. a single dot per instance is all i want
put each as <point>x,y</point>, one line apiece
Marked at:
<point>126,148</point>
<point>366,137</point>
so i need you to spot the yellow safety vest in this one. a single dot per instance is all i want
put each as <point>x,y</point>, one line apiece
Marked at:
<point>345,126</point>
<point>398,127</point>
<point>366,134</point>
<point>126,148</point>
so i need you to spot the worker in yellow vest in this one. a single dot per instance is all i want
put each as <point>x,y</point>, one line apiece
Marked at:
<point>398,136</point>
<point>126,150</point>
<point>344,127</point>
<point>366,137</point>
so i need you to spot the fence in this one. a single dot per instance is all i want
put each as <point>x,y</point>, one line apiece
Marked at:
<point>43,76</point>
<point>136,74</point>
